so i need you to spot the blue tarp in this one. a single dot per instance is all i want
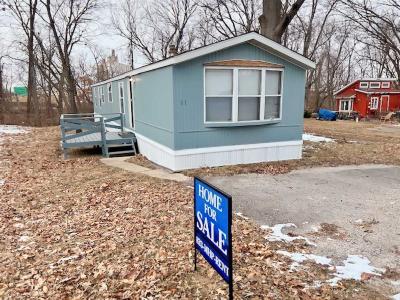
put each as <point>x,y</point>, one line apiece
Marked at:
<point>327,115</point>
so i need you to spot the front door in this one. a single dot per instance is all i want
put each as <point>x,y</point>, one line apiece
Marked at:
<point>131,104</point>
<point>384,103</point>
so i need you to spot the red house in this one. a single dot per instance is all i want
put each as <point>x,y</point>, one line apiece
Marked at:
<point>368,97</point>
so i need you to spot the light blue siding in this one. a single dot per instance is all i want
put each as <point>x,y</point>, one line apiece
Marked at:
<point>190,131</point>
<point>169,104</point>
<point>113,107</point>
<point>153,100</point>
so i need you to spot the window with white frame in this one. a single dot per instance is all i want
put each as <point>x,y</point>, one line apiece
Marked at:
<point>242,94</point>
<point>374,103</point>
<point>364,85</point>
<point>375,85</point>
<point>385,85</point>
<point>109,90</point>
<point>345,105</point>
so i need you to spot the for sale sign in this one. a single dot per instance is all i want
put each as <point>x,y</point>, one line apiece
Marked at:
<point>212,227</point>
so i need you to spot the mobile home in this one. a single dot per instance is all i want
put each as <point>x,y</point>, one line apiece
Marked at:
<point>233,102</point>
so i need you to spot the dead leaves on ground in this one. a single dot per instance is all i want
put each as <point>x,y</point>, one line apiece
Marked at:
<point>73,229</point>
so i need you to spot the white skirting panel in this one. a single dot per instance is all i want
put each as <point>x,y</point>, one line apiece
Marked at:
<point>177,160</point>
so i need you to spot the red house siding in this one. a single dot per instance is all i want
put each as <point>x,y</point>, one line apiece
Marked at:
<point>388,99</point>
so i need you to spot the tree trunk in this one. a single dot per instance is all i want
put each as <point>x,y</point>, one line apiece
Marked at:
<point>273,22</point>
<point>270,19</point>
<point>32,102</point>
<point>71,90</point>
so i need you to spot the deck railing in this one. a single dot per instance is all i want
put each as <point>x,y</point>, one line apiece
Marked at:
<point>79,125</point>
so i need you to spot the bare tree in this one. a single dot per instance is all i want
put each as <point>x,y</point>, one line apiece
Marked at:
<point>276,18</point>
<point>67,20</point>
<point>379,29</point>
<point>229,18</point>
<point>25,12</point>
<point>153,27</point>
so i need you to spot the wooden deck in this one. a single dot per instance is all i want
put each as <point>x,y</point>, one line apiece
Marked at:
<point>91,130</point>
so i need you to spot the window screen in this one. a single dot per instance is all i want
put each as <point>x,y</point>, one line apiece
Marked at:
<point>219,82</point>
<point>272,83</point>
<point>272,107</point>
<point>218,109</point>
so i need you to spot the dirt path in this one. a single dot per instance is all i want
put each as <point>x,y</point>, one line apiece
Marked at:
<point>81,230</point>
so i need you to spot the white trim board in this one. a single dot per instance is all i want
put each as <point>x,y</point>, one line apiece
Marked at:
<point>177,160</point>
<point>283,52</point>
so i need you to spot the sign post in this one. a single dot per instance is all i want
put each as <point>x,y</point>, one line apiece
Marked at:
<point>212,229</point>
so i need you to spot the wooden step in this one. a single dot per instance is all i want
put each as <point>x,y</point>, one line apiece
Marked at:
<point>119,145</point>
<point>121,152</point>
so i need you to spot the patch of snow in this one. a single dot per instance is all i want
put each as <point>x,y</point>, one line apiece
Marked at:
<point>353,268</point>
<point>11,129</point>
<point>239,214</point>
<point>316,138</point>
<point>278,236</point>
<point>396,297</point>
<point>301,257</point>
<point>24,238</point>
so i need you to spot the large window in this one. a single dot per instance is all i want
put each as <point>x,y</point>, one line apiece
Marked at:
<point>345,105</point>
<point>242,94</point>
<point>109,91</point>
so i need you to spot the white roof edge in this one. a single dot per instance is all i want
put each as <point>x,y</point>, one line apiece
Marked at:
<point>297,58</point>
<point>363,79</point>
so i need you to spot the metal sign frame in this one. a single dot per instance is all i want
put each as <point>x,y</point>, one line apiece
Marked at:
<point>199,234</point>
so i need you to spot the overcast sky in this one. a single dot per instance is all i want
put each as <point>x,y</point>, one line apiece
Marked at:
<point>101,35</point>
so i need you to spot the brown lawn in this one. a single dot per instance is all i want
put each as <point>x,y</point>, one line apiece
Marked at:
<point>76,229</point>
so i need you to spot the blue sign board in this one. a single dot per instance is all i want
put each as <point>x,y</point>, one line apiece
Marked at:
<point>212,227</point>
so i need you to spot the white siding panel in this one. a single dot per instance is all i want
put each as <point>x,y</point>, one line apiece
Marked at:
<point>218,156</point>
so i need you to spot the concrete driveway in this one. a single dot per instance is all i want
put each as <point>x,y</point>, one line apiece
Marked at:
<point>352,210</point>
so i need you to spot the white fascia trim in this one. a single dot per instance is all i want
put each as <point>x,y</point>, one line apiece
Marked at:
<point>345,87</point>
<point>252,36</point>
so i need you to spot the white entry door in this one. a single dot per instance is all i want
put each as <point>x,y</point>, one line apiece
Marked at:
<point>131,104</point>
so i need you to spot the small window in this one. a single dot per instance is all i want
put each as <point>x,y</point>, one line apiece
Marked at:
<point>344,105</point>
<point>375,85</point>
<point>385,85</point>
<point>374,103</point>
<point>109,88</point>
<point>364,85</point>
